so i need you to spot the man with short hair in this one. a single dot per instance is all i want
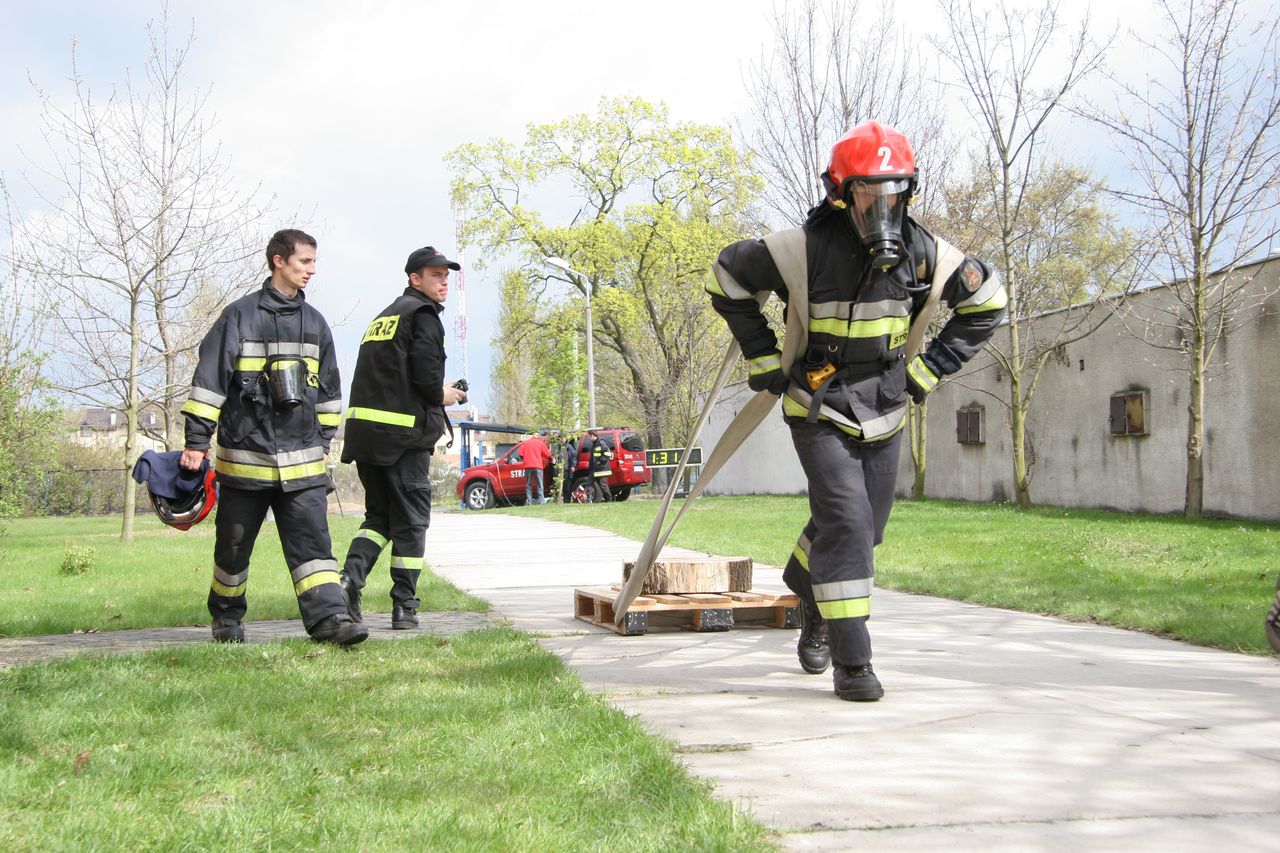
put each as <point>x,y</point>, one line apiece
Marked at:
<point>398,395</point>
<point>267,383</point>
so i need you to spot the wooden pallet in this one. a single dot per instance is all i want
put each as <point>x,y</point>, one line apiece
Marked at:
<point>700,611</point>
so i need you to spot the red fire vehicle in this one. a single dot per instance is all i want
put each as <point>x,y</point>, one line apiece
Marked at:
<point>502,480</point>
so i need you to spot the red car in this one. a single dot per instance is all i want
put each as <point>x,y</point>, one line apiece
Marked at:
<point>628,468</point>
<point>482,486</point>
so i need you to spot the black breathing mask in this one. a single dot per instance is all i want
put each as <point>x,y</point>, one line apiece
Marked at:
<point>286,378</point>
<point>877,210</point>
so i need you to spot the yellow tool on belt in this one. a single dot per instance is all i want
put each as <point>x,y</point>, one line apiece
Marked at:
<point>817,377</point>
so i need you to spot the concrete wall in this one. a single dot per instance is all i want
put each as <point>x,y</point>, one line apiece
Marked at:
<point>1076,460</point>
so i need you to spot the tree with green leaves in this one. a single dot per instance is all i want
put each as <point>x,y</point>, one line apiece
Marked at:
<point>639,204</point>
<point>29,422</point>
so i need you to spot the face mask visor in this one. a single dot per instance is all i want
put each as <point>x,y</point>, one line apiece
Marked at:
<point>877,209</point>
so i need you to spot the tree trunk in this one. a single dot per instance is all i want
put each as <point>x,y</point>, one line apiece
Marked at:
<point>130,427</point>
<point>917,424</point>
<point>1193,506</point>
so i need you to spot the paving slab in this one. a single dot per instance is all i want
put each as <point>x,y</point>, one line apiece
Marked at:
<point>999,730</point>
<point>20,650</point>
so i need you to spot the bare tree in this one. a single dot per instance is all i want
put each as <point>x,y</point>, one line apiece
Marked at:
<point>832,66</point>
<point>1038,221</point>
<point>146,240</point>
<point>1205,159</point>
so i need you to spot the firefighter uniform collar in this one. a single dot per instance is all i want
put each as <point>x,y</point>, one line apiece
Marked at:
<point>277,303</point>
<point>413,291</point>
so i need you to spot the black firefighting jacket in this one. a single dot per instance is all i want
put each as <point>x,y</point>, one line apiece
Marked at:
<point>397,392</point>
<point>859,320</point>
<point>261,446</point>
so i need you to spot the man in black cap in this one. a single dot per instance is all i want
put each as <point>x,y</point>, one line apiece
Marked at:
<point>398,395</point>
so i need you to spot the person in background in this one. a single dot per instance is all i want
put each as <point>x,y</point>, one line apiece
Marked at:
<point>398,395</point>
<point>534,456</point>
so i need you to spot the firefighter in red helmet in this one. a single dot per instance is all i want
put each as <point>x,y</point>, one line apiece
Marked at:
<point>868,276</point>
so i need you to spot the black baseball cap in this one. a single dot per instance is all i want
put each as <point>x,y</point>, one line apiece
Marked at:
<point>428,256</point>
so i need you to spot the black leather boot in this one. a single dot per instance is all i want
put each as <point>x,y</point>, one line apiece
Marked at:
<point>340,630</point>
<point>351,593</point>
<point>857,683</point>
<point>812,649</point>
<point>403,618</point>
<point>227,631</point>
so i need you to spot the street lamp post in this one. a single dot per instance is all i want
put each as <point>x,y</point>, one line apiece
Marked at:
<point>563,265</point>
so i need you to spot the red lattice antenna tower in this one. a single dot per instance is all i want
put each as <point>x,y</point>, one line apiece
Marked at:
<point>460,296</point>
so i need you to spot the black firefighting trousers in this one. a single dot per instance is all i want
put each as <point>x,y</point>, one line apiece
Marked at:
<point>397,509</point>
<point>850,496</point>
<point>303,524</point>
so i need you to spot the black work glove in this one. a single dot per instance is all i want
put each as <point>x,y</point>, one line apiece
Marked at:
<point>773,381</point>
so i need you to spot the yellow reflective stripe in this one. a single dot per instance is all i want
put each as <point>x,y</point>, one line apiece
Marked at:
<point>380,416</point>
<point>849,608</point>
<point>316,579</point>
<point>228,591</point>
<point>267,473</point>
<point>712,285</point>
<point>328,419</point>
<point>373,536</point>
<point>995,303</point>
<point>921,373</point>
<point>860,328</point>
<point>802,556</point>
<point>201,410</point>
<point>249,365</point>
<point>764,363</point>
<point>406,562</point>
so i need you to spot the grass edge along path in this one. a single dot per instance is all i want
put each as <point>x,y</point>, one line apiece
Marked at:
<point>1207,582</point>
<point>482,741</point>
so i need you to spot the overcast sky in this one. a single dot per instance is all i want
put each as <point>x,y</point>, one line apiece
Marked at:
<point>347,108</point>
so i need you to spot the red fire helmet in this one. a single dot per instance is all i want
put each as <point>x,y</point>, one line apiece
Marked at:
<point>869,152</point>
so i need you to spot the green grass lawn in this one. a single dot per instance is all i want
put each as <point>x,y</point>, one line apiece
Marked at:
<point>1207,582</point>
<point>482,741</point>
<point>161,579</point>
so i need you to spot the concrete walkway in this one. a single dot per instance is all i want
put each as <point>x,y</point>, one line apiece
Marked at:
<point>999,730</point>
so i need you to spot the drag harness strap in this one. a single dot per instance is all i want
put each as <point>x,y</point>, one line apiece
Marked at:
<point>788,251</point>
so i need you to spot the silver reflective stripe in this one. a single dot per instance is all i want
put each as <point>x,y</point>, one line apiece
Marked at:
<point>860,310</point>
<point>331,407</point>
<point>803,543</point>
<point>274,460</point>
<point>312,566</point>
<point>800,395</point>
<point>990,288</point>
<point>257,349</point>
<point>209,398</point>
<point>224,577</point>
<point>729,284</point>
<point>884,424</point>
<point>840,590</point>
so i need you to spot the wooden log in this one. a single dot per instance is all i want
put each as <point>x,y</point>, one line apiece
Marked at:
<point>706,574</point>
